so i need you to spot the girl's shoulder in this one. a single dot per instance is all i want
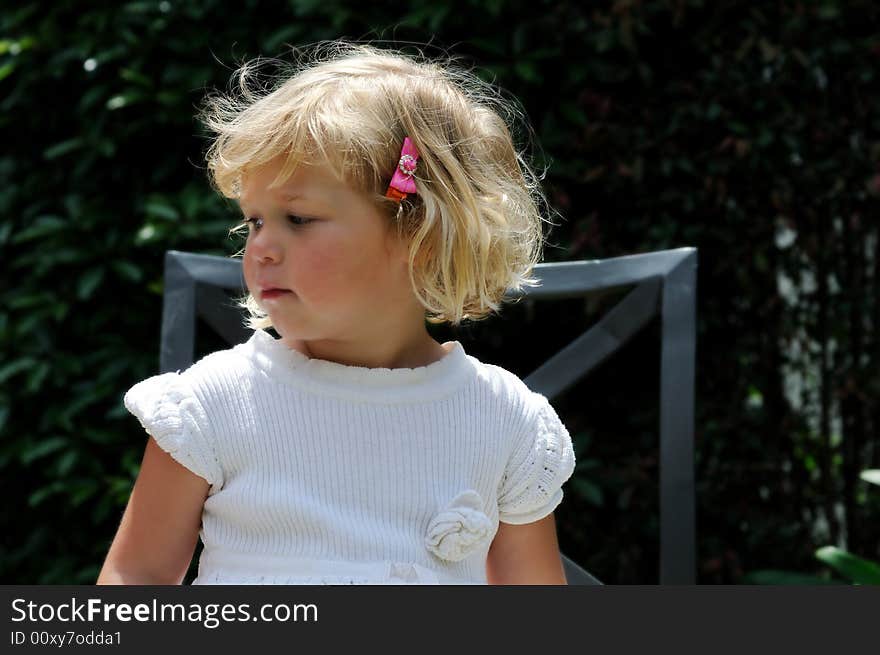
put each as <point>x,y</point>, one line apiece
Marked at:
<point>229,362</point>
<point>508,388</point>
<point>211,379</point>
<point>215,380</point>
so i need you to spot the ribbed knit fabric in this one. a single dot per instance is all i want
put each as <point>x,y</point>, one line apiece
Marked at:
<point>323,473</point>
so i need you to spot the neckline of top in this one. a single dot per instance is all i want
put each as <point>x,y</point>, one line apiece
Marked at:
<point>291,366</point>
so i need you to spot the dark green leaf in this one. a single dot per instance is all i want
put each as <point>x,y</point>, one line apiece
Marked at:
<point>88,282</point>
<point>775,577</point>
<point>43,448</point>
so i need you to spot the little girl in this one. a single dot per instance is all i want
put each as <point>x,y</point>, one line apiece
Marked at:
<point>378,191</point>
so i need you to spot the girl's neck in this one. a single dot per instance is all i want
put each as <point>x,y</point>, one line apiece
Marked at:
<point>398,384</point>
<point>383,354</point>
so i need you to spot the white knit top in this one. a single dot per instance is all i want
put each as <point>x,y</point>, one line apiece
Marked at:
<point>324,473</point>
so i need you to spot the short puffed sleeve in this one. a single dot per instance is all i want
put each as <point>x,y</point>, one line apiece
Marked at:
<point>168,410</point>
<point>542,460</point>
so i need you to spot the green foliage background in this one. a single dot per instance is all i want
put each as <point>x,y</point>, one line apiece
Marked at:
<point>730,126</point>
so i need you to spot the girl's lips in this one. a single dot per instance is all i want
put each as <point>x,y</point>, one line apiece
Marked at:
<point>274,293</point>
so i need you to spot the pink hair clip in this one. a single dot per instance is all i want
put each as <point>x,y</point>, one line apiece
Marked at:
<point>402,182</point>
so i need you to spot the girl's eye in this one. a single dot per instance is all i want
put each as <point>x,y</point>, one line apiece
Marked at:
<point>299,220</point>
<point>295,220</point>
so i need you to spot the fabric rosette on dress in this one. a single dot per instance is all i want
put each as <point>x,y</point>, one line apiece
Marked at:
<point>460,529</point>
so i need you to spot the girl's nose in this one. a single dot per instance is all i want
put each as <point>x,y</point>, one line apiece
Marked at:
<point>263,247</point>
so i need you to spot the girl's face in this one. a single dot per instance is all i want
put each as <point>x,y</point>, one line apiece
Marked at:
<point>328,245</point>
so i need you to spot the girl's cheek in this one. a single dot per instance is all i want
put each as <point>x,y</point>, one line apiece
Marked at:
<point>247,270</point>
<point>323,267</point>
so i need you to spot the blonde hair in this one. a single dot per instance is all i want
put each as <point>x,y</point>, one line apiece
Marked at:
<point>474,227</point>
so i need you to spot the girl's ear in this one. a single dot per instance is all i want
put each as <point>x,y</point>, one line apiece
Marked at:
<point>395,247</point>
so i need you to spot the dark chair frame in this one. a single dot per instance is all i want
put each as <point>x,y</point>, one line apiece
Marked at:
<point>664,283</point>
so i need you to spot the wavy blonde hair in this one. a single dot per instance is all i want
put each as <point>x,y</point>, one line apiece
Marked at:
<point>474,228</point>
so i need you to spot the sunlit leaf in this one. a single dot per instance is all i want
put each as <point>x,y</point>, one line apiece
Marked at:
<point>6,70</point>
<point>852,567</point>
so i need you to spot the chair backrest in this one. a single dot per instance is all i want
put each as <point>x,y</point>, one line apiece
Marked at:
<point>664,283</point>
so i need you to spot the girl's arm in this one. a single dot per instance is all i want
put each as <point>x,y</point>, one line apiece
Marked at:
<point>525,554</point>
<point>160,526</point>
